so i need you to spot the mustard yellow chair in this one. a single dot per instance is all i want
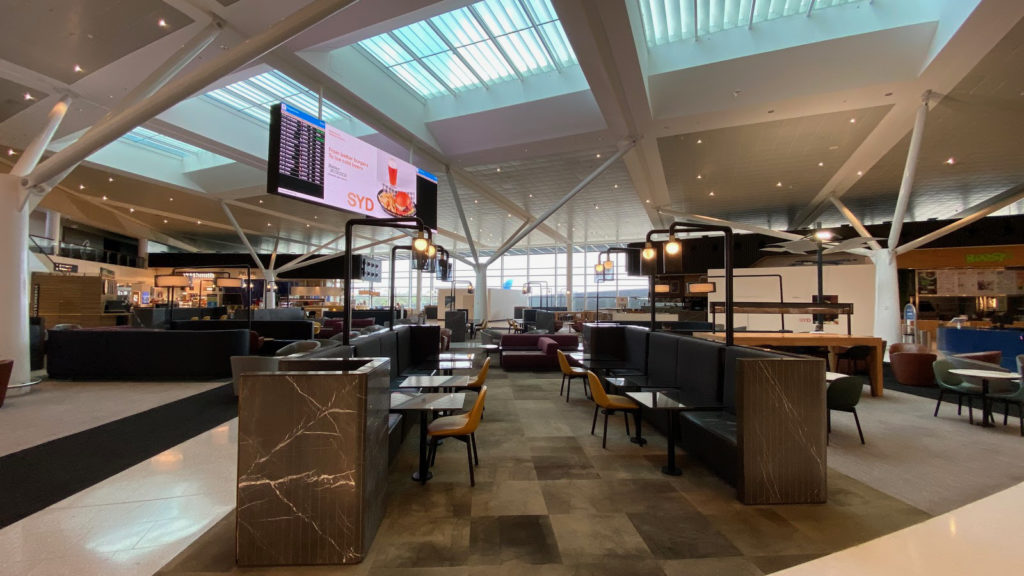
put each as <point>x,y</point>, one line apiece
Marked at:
<point>481,376</point>
<point>462,427</point>
<point>568,373</point>
<point>611,403</point>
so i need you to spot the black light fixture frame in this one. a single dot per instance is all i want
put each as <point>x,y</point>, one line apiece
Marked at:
<point>597,288</point>
<point>544,286</point>
<point>678,227</point>
<point>413,223</point>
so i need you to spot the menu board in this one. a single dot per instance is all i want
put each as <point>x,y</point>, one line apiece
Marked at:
<point>970,282</point>
<point>312,161</point>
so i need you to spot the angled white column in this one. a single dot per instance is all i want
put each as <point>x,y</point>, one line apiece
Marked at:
<point>734,225</point>
<point>854,221</point>
<point>557,205</point>
<point>462,214</point>
<point>909,169</point>
<point>887,301</point>
<point>481,299</point>
<point>1009,197</point>
<point>295,263</point>
<point>242,236</point>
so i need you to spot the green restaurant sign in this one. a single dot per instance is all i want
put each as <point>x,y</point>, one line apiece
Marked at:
<point>987,257</point>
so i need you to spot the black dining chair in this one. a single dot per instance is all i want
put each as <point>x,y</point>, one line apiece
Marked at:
<point>843,395</point>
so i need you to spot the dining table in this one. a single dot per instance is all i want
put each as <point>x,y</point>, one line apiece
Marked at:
<point>434,383</point>
<point>985,379</point>
<point>425,403</point>
<point>671,402</point>
<point>447,362</point>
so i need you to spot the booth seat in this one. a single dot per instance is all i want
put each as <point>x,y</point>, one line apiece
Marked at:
<point>143,354</point>
<point>277,329</point>
<point>534,351</point>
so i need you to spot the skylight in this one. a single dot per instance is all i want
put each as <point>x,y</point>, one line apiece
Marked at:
<point>254,97</point>
<point>479,45</point>
<point>667,21</point>
<point>161,143</point>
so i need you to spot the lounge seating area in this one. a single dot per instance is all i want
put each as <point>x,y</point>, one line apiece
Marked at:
<point>534,351</point>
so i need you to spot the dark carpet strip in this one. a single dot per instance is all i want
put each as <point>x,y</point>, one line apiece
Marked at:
<point>37,477</point>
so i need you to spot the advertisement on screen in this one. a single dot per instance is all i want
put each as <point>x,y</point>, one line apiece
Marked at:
<point>312,161</point>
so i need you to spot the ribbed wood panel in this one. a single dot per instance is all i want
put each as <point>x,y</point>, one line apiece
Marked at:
<point>69,300</point>
<point>781,407</point>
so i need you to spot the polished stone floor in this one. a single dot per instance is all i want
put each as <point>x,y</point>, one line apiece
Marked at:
<point>550,500</point>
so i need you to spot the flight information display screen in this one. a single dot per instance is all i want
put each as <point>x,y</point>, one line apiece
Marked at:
<point>312,161</point>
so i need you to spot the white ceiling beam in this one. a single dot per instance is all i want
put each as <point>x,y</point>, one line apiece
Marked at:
<point>734,225</point>
<point>855,222</point>
<point>1008,197</point>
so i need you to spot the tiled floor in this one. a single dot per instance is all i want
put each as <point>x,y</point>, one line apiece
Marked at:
<point>549,500</point>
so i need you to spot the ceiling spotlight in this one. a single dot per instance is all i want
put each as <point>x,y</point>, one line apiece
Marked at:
<point>615,186</point>
<point>78,69</point>
<point>821,163</point>
<point>950,161</point>
<point>261,201</point>
<point>11,152</point>
<point>104,197</point>
<point>823,235</point>
<point>596,207</point>
<point>778,184</point>
<point>648,201</point>
<point>199,221</point>
<point>712,193</point>
<point>860,172</point>
<point>699,177</point>
<point>499,169</point>
<point>171,199</point>
<point>29,96</point>
<point>165,220</point>
<point>81,186</point>
<point>699,141</point>
<point>110,178</point>
<point>307,225</point>
<point>853,120</point>
<point>531,195</point>
<point>268,224</point>
<point>131,210</point>
<point>162,23</point>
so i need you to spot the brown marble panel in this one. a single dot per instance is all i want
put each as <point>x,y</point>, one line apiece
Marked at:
<point>781,407</point>
<point>312,464</point>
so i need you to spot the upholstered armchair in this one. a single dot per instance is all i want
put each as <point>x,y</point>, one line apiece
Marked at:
<point>912,364</point>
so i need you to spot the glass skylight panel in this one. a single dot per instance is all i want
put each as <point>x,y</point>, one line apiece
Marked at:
<point>161,143</point>
<point>254,97</point>
<point>667,21</point>
<point>488,42</point>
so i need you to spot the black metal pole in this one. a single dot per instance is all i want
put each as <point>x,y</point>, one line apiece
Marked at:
<point>821,296</point>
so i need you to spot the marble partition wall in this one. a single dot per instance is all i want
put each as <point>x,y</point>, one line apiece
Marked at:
<point>312,462</point>
<point>780,405</point>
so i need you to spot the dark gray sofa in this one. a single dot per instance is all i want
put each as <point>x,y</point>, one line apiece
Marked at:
<point>143,354</point>
<point>277,329</point>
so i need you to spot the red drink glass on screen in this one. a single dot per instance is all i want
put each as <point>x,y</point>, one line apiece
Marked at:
<point>392,173</point>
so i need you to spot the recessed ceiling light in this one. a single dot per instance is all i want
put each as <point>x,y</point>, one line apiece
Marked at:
<point>699,141</point>
<point>596,207</point>
<point>131,210</point>
<point>162,23</point>
<point>712,193</point>
<point>509,214</point>
<point>853,120</point>
<point>615,186</point>
<point>307,225</point>
<point>821,163</point>
<point>476,201</point>
<point>778,184</point>
<point>11,152</point>
<point>78,68</point>
<point>199,221</point>
<point>699,177</point>
<point>498,170</point>
<point>860,172</point>
<point>315,217</point>
<point>597,155</point>
<point>110,178</point>
<point>104,197</point>
<point>81,186</point>
<point>165,220</point>
<point>950,161</point>
<point>268,224</point>
<point>29,96</point>
<point>171,199</point>
<point>531,195</point>
<point>648,201</point>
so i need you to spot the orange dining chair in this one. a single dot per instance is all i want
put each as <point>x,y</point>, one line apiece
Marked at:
<point>568,373</point>
<point>481,376</point>
<point>610,403</point>
<point>462,427</point>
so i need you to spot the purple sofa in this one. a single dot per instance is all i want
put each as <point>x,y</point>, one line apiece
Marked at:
<point>534,351</point>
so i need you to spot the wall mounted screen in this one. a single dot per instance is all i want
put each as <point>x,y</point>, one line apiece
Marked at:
<point>312,161</point>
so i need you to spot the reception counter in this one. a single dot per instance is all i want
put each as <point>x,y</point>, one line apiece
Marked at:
<point>1009,341</point>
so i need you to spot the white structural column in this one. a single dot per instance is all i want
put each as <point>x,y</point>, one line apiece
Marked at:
<point>568,272</point>
<point>887,300</point>
<point>15,281</point>
<point>53,228</point>
<point>269,288</point>
<point>481,302</point>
